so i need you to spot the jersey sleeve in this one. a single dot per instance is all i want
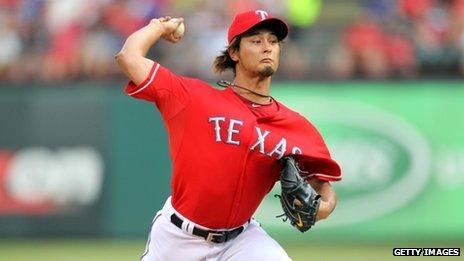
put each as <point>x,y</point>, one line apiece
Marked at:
<point>167,90</point>
<point>316,158</point>
<point>322,168</point>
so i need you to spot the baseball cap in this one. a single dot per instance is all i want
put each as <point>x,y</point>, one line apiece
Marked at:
<point>247,20</point>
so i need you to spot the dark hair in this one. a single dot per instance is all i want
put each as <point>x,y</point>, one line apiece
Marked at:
<point>224,62</point>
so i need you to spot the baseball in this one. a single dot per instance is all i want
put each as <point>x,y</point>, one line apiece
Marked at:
<point>179,32</point>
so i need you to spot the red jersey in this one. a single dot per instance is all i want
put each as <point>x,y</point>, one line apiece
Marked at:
<point>225,151</point>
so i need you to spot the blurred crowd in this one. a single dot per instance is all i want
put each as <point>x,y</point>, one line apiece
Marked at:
<point>56,40</point>
<point>52,40</point>
<point>402,39</point>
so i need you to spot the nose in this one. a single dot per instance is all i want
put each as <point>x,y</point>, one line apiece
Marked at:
<point>267,46</point>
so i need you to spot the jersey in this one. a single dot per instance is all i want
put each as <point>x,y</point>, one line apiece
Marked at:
<point>225,151</point>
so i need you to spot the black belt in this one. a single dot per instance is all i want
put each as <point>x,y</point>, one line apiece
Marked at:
<point>211,236</point>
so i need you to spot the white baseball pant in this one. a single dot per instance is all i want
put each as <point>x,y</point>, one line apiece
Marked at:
<point>168,242</point>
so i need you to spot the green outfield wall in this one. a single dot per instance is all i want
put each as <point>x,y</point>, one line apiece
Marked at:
<point>88,160</point>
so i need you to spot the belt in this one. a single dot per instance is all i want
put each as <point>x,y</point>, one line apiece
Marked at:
<point>211,236</point>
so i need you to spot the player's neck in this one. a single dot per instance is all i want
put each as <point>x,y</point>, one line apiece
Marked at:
<point>255,84</point>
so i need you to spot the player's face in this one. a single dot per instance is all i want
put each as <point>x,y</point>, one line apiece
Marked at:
<point>258,54</point>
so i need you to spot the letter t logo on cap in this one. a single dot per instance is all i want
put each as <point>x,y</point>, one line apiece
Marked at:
<point>262,13</point>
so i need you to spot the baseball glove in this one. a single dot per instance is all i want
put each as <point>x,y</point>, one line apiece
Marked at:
<point>299,200</point>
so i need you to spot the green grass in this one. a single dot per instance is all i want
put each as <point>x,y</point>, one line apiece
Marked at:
<point>114,250</point>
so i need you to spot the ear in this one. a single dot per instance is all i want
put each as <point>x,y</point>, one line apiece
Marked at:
<point>233,54</point>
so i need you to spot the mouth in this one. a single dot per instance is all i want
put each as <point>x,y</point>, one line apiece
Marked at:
<point>267,60</point>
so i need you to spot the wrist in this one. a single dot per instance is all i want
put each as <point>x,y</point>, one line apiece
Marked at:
<point>156,25</point>
<point>324,210</point>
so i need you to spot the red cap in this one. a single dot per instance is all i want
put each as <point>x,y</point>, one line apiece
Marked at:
<point>247,20</point>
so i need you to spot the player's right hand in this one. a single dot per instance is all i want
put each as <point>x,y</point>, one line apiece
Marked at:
<point>169,26</point>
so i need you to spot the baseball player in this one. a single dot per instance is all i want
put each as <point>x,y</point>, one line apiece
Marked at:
<point>226,145</point>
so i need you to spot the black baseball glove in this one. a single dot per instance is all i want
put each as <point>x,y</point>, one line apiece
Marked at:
<point>299,200</point>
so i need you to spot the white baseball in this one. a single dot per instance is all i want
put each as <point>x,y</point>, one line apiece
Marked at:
<point>179,32</point>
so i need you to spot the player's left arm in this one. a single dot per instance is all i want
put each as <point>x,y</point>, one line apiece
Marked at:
<point>328,197</point>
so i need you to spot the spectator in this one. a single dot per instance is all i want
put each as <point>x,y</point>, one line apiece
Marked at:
<point>363,45</point>
<point>375,46</point>
<point>10,44</point>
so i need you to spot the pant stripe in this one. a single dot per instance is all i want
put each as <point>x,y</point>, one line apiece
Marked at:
<point>149,237</point>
